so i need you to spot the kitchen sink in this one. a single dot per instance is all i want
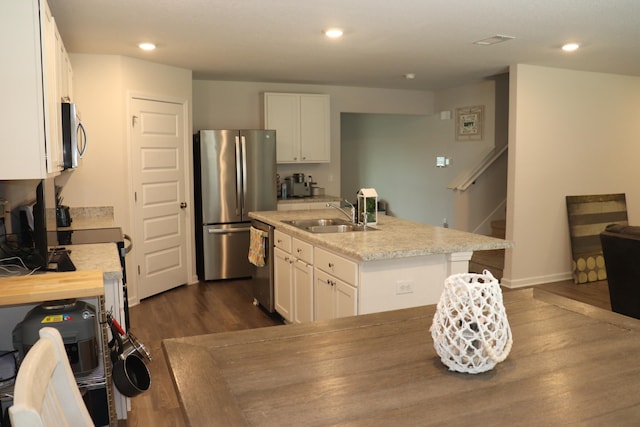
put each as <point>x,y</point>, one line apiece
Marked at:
<point>342,228</point>
<point>320,222</point>
<point>327,225</point>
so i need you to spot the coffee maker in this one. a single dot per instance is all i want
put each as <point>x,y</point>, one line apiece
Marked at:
<point>297,186</point>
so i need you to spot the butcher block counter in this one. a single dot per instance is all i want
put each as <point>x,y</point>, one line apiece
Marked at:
<point>51,286</point>
<point>570,364</point>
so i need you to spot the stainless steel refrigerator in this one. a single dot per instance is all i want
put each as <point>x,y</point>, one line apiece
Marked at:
<point>234,174</point>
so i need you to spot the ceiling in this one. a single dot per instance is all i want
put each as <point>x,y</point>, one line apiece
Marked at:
<point>282,40</point>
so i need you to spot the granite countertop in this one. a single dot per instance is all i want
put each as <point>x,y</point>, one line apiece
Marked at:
<point>310,199</point>
<point>99,256</point>
<point>394,238</point>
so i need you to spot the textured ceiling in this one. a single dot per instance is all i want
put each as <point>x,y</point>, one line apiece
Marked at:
<point>282,40</point>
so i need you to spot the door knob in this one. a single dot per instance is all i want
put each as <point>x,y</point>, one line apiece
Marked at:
<point>183,205</point>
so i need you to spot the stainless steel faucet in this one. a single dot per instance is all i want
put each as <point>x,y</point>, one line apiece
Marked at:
<point>351,215</point>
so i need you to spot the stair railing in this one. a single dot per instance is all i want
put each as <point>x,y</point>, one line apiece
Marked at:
<point>466,178</point>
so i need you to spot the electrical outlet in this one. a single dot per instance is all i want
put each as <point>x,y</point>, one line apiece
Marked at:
<point>404,287</point>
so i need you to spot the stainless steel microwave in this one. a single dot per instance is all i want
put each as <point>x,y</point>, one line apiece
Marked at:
<point>74,136</point>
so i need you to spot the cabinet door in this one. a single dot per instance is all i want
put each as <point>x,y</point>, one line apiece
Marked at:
<point>52,116</point>
<point>303,292</point>
<point>315,138</point>
<point>346,299</point>
<point>22,119</point>
<point>283,286</point>
<point>282,114</point>
<point>323,305</point>
<point>64,84</point>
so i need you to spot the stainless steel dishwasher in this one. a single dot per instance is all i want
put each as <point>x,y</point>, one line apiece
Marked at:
<point>262,282</point>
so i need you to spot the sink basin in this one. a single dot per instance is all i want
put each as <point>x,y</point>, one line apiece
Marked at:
<point>327,225</point>
<point>320,222</point>
<point>342,228</point>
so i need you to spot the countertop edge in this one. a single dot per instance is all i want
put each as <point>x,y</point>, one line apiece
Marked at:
<point>410,239</point>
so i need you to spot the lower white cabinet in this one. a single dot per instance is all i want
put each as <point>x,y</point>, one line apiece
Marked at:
<point>283,283</point>
<point>333,298</point>
<point>312,283</point>
<point>302,292</point>
<point>293,278</point>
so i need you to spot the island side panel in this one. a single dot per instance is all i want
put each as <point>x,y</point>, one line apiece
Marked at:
<point>402,282</point>
<point>458,262</point>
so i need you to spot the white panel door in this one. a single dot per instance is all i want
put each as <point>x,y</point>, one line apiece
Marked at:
<point>160,238</point>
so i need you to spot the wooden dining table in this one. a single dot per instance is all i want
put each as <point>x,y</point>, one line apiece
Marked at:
<point>571,363</point>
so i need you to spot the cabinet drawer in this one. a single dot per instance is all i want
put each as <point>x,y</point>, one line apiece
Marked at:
<point>335,265</point>
<point>302,250</point>
<point>282,241</point>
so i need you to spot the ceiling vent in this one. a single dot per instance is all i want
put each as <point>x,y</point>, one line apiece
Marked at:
<point>498,38</point>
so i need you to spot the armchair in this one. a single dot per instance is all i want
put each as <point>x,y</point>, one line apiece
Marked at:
<point>621,250</point>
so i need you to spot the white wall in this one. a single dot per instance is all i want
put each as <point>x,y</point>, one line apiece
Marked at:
<point>570,133</point>
<point>102,86</point>
<point>224,105</point>
<point>484,201</point>
<point>396,154</point>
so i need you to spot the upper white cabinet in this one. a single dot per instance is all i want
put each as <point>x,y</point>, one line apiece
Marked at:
<point>302,124</point>
<point>29,121</point>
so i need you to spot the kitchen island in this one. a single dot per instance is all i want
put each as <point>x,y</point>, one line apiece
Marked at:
<point>398,264</point>
<point>570,364</point>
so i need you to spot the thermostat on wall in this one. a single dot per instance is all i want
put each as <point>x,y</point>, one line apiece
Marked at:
<point>442,162</point>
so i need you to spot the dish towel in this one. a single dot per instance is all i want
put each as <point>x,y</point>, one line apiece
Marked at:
<point>257,247</point>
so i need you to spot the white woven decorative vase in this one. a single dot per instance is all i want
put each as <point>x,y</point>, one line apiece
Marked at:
<point>470,329</point>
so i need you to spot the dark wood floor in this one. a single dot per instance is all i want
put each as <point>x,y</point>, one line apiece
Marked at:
<point>203,308</point>
<point>212,307</point>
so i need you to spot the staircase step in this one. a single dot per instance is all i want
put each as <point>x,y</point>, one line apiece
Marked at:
<point>492,260</point>
<point>499,228</point>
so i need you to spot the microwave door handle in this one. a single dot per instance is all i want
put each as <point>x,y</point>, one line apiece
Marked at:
<point>82,150</point>
<point>244,174</point>
<point>238,179</point>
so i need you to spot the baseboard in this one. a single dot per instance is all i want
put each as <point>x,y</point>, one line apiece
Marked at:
<point>537,280</point>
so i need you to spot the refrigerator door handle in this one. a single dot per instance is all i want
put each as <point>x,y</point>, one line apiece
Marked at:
<point>244,174</point>
<point>239,181</point>
<point>228,230</point>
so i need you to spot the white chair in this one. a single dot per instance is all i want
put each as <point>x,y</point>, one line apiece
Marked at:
<point>45,392</point>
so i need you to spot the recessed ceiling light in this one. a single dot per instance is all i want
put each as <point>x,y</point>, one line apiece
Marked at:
<point>334,33</point>
<point>570,47</point>
<point>409,76</point>
<point>147,46</point>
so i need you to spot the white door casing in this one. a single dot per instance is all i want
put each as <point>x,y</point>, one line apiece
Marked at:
<point>159,192</point>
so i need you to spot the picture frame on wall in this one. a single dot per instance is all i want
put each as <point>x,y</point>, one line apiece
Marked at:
<point>469,123</point>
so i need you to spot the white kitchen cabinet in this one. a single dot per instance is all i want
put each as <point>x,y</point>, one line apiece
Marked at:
<point>333,297</point>
<point>29,87</point>
<point>293,278</point>
<point>283,283</point>
<point>64,71</point>
<point>303,292</point>
<point>302,280</point>
<point>302,124</point>
<point>335,285</point>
